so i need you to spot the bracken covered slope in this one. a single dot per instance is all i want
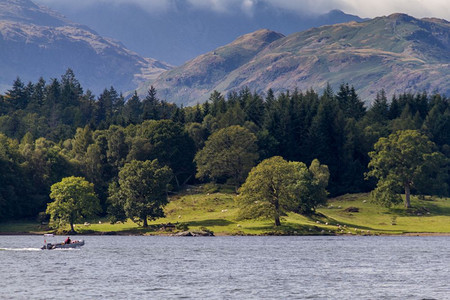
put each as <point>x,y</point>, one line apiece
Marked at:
<point>398,53</point>
<point>195,79</point>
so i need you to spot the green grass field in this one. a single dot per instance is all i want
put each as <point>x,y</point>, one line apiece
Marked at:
<point>197,209</point>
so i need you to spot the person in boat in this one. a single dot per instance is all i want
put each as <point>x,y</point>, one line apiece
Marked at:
<point>67,241</point>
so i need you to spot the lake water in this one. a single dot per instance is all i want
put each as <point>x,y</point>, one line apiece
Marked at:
<point>144,267</point>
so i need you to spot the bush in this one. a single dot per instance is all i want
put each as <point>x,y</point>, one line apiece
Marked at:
<point>182,226</point>
<point>210,188</point>
<point>204,229</point>
<point>43,218</point>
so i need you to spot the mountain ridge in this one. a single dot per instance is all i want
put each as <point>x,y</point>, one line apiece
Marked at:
<point>185,30</point>
<point>397,53</point>
<point>38,42</point>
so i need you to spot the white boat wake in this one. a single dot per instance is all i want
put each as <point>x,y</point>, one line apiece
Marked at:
<point>38,249</point>
<point>20,249</point>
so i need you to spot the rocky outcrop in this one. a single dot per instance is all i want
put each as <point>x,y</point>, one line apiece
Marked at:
<point>194,233</point>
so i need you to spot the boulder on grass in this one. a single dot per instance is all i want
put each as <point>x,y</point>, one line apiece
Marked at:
<point>352,209</point>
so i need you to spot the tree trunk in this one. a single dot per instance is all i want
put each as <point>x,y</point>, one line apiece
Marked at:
<point>184,183</point>
<point>72,229</point>
<point>407,196</point>
<point>277,221</point>
<point>236,183</point>
<point>176,180</point>
<point>277,213</point>
<point>145,222</point>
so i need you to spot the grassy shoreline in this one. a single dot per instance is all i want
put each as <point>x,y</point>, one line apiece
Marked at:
<point>196,210</point>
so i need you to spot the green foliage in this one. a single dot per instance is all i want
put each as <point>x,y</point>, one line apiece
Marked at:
<point>379,112</point>
<point>116,204</point>
<point>313,192</point>
<point>228,153</point>
<point>198,133</point>
<point>141,192</point>
<point>387,193</point>
<point>218,212</point>
<point>66,131</point>
<point>131,112</point>
<point>349,102</point>
<point>405,159</point>
<point>150,106</point>
<point>275,187</point>
<point>182,226</point>
<point>74,199</point>
<point>45,163</point>
<point>210,188</point>
<point>167,142</point>
<point>26,171</point>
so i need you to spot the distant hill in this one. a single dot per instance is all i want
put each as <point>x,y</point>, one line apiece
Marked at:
<point>185,31</point>
<point>398,53</point>
<point>195,80</point>
<point>35,41</point>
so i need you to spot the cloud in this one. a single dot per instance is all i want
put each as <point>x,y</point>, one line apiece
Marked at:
<point>151,6</point>
<point>416,8</point>
<point>215,5</point>
<point>248,6</point>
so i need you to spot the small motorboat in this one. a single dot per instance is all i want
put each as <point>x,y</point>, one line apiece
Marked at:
<point>63,245</point>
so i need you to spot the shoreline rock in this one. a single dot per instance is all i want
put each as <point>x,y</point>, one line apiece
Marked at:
<point>194,233</point>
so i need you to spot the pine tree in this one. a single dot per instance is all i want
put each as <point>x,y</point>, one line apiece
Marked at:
<point>394,108</point>
<point>349,102</point>
<point>206,108</point>
<point>132,109</point>
<point>17,95</point>
<point>71,89</point>
<point>254,109</point>
<point>218,103</point>
<point>379,112</point>
<point>150,106</point>
<point>198,115</point>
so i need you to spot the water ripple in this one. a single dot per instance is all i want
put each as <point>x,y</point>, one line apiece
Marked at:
<point>228,268</point>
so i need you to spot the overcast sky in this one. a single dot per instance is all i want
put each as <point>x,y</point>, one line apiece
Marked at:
<point>362,8</point>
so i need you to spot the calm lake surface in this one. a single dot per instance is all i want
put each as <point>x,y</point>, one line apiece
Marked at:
<point>144,267</point>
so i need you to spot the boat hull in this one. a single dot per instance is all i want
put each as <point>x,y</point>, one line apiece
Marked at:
<point>74,244</point>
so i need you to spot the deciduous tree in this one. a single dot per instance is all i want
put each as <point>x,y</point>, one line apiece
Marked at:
<point>166,141</point>
<point>276,187</point>
<point>228,153</point>
<point>142,190</point>
<point>74,199</point>
<point>401,161</point>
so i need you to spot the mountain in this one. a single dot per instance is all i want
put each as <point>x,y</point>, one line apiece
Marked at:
<point>196,79</point>
<point>398,53</point>
<point>35,42</point>
<point>184,30</point>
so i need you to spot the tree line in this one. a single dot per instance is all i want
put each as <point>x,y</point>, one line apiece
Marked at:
<point>50,131</point>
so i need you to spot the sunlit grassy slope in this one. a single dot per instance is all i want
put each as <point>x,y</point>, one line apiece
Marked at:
<point>218,212</point>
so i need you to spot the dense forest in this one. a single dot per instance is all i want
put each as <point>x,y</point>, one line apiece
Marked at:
<point>52,130</point>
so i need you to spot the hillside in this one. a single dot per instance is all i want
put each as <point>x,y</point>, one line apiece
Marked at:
<point>195,210</point>
<point>187,29</point>
<point>194,79</point>
<point>35,42</point>
<point>398,53</point>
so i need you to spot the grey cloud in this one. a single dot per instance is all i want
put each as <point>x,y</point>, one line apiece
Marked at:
<point>417,8</point>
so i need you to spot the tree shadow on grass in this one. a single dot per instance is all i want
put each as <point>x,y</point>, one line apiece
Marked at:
<point>348,225</point>
<point>286,228</point>
<point>422,209</point>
